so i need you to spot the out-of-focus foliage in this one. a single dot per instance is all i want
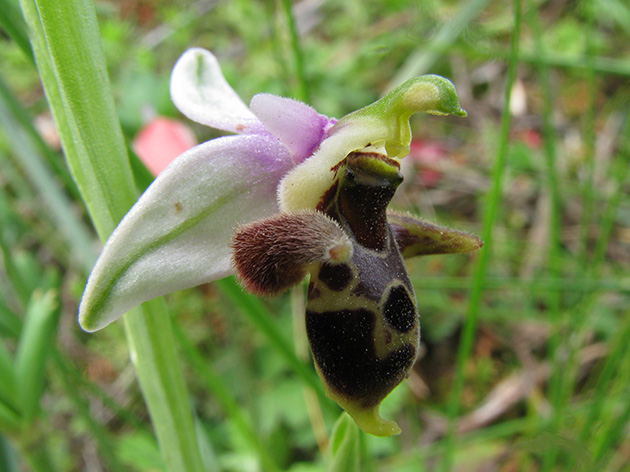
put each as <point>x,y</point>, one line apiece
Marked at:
<point>545,386</point>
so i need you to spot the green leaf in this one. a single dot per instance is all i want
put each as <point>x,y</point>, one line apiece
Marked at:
<point>9,419</point>
<point>7,374</point>
<point>43,179</point>
<point>40,329</point>
<point>12,23</point>
<point>66,44</point>
<point>344,446</point>
<point>69,57</point>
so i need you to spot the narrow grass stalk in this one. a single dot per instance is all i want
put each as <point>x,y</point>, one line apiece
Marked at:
<point>257,314</point>
<point>101,436</point>
<point>421,61</point>
<point>36,168</point>
<point>296,50</point>
<point>608,377</point>
<point>66,44</point>
<point>554,268</point>
<point>490,216</point>
<point>567,376</point>
<point>229,404</point>
<point>588,187</point>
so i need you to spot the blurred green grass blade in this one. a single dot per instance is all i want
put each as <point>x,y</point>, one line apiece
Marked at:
<point>302,90</point>
<point>36,168</point>
<point>12,22</point>
<point>555,211</point>
<point>97,431</point>
<point>8,392</point>
<point>38,335</point>
<point>13,273</point>
<point>607,380</point>
<point>10,421</point>
<point>587,218</point>
<point>489,218</point>
<point>7,456</point>
<point>66,43</point>
<point>256,312</point>
<point>10,325</point>
<point>226,399</point>
<point>424,58</point>
<point>344,446</point>
<point>25,121</point>
<point>608,376</point>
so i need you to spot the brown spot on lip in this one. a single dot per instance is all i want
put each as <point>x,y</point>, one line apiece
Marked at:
<point>342,343</point>
<point>336,276</point>
<point>399,310</point>
<point>240,128</point>
<point>178,207</point>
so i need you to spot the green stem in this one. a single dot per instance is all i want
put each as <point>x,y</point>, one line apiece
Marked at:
<point>153,352</point>
<point>296,49</point>
<point>554,298</point>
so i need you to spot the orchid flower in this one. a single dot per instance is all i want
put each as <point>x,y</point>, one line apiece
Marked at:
<point>291,193</point>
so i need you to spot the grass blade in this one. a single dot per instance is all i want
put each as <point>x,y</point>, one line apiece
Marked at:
<point>38,334</point>
<point>489,218</point>
<point>34,165</point>
<point>66,44</point>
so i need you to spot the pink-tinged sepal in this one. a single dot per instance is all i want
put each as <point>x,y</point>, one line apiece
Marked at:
<point>177,235</point>
<point>276,253</point>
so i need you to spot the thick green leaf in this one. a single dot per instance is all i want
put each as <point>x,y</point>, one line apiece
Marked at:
<point>65,40</point>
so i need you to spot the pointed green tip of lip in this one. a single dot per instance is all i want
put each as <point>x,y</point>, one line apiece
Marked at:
<point>461,112</point>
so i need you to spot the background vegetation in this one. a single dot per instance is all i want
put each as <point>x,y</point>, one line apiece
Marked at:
<point>525,363</point>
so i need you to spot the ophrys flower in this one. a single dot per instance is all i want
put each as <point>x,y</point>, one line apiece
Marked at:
<point>294,193</point>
